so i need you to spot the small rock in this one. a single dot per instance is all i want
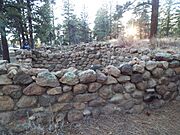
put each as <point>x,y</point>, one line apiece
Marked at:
<point>118,88</point>
<point>137,94</point>
<point>55,91</point>
<point>150,65</point>
<point>61,107</point>
<point>163,56</point>
<point>6,103</point>
<point>126,69</point>
<point>26,101</point>
<point>80,88</point>
<point>93,87</point>
<point>65,97</point>
<point>123,78</point>
<point>142,85</point>
<point>46,100</point>
<point>87,76</point>
<point>157,72</point>
<point>34,89</point>
<point>112,70</point>
<point>135,78</point>
<point>74,115</point>
<point>97,102</point>
<point>85,97</point>
<point>151,83</point>
<point>69,78</point>
<point>101,78</point>
<point>117,98</point>
<point>106,91</point>
<point>8,89</point>
<point>146,75</point>
<point>110,80</point>
<point>129,87</point>
<point>138,68</point>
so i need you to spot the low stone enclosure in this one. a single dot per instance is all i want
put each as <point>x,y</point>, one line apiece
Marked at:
<point>71,94</point>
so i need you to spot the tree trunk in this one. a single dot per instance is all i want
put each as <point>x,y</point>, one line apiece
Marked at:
<point>154,18</point>
<point>3,37</point>
<point>30,23</point>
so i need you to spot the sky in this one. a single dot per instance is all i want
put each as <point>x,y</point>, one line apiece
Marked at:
<point>91,7</point>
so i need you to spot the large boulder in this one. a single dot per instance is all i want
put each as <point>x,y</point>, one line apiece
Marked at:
<point>6,103</point>
<point>69,78</point>
<point>34,89</point>
<point>47,79</point>
<point>87,76</point>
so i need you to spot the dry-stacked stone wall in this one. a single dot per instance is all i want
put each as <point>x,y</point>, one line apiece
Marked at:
<point>71,94</point>
<point>83,56</point>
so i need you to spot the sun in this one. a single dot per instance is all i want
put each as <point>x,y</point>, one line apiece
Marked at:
<point>131,31</point>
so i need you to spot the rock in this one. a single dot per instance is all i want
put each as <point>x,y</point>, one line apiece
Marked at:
<point>93,87</point>
<point>6,117</point>
<point>106,91</point>
<point>141,85</point>
<point>163,64</point>
<point>110,80</point>
<point>60,73</point>
<point>174,64</point>
<point>61,107</point>
<point>85,97</point>
<point>69,78</point>
<point>80,88</point>
<point>146,75</point>
<point>145,58</point>
<point>6,103</point>
<point>129,87</point>
<point>101,78</point>
<point>117,98</point>
<point>167,95</point>
<point>112,70</point>
<point>79,106</point>
<point>97,102</point>
<point>87,76</point>
<point>26,101</point>
<point>163,80</point>
<point>60,117</point>
<point>137,94</point>
<point>126,69</point>
<point>74,115</point>
<point>138,68</point>
<point>172,87</point>
<point>65,97</point>
<point>109,109</point>
<point>8,89</point>
<point>96,112</point>
<point>118,88</point>
<point>150,65</point>
<point>3,69</point>
<point>4,80</point>
<point>123,78</point>
<point>150,90</point>
<point>22,78</point>
<point>157,72</point>
<point>157,104</point>
<point>12,73</point>
<point>35,71</point>
<point>177,70</point>
<point>151,83</point>
<point>16,94</point>
<point>133,50</point>
<point>55,91</point>
<point>87,112</point>
<point>47,79</point>
<point>163,56</point>
<point>169,72</point>
<point>67,88</point>
<point>46,100</point>
<point>34,89</point>
<point>137,108</point>
<point>135,78</point>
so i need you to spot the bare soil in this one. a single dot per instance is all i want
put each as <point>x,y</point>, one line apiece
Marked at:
<point>163,121</point>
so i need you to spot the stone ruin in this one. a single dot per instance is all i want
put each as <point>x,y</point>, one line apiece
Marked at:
<point>145,81</point>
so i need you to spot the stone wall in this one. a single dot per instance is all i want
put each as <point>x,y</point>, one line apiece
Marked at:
<point>73,94</point>
<point>82,57</point>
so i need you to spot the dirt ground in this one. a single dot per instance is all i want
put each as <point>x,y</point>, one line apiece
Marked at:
<point>164,121</point>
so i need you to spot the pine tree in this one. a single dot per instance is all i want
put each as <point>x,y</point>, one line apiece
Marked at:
<point>102,24</point>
